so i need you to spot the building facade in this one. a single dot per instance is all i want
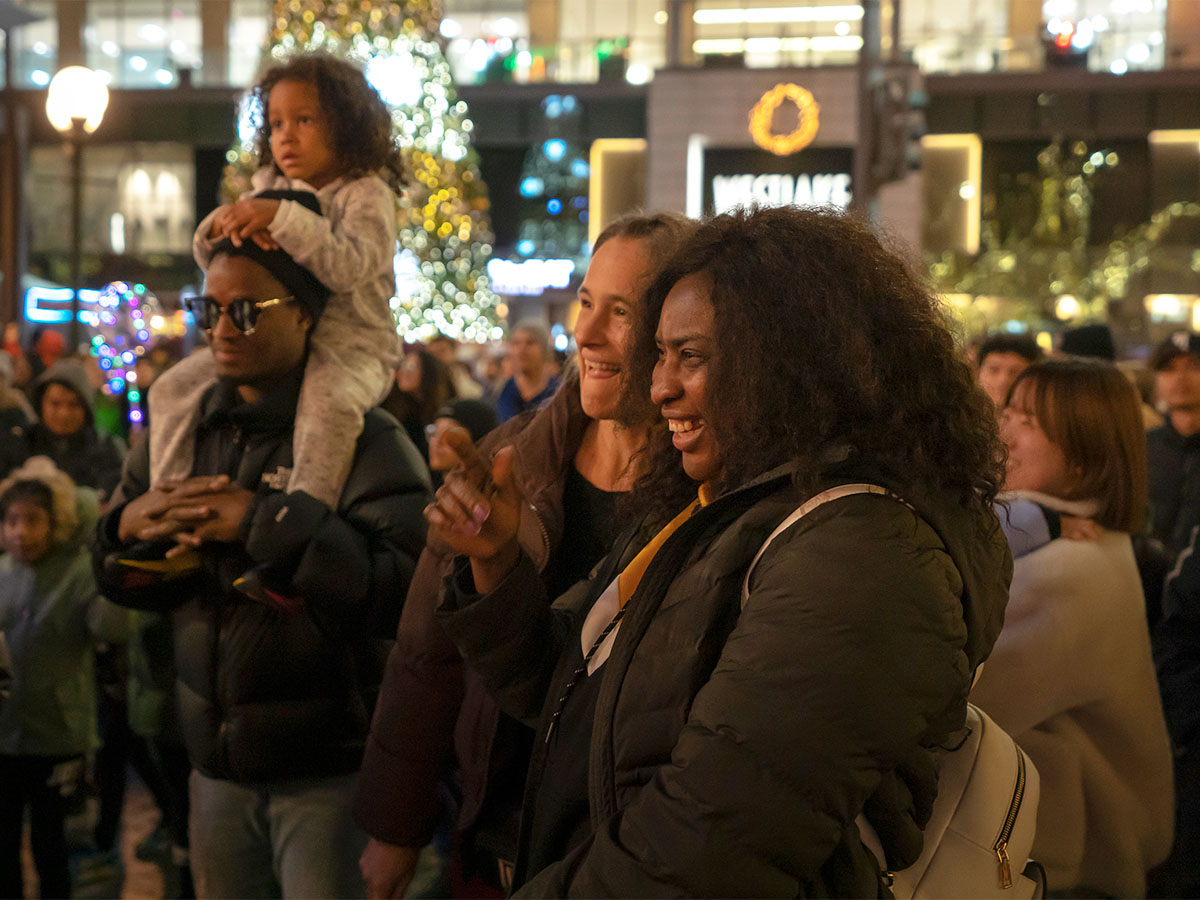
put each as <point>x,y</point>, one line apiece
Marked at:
<point>651,102</point>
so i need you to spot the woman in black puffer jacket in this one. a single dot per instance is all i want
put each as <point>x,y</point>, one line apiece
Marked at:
<point>692,742</point>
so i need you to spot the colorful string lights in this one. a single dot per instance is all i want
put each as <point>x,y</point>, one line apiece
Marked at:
<point>122,321</point>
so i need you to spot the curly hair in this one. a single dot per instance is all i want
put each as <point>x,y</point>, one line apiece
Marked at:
<point>358,121</point>
<point>829,345</point>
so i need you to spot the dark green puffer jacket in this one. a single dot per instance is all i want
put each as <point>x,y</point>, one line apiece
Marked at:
<point>732,749</point>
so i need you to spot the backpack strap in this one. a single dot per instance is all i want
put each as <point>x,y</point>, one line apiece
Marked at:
<point>833,493</point>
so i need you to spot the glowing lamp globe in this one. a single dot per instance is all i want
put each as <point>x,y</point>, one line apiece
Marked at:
<point>76,92</point>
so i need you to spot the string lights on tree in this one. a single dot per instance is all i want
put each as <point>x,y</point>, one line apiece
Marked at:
<point>124,322</point>
<point>554,188</point>
<point>444,230</point>
<point>1048,272</point>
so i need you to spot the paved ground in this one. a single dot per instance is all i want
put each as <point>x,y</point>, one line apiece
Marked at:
<point>139,880</point>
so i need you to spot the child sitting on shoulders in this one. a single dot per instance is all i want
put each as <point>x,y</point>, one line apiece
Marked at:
<point>323,128</point>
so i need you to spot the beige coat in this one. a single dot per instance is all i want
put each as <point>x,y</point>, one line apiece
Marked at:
<point>1072,679</point>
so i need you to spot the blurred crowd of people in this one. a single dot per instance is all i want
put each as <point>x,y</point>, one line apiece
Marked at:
<point>60,427</point>
<point>675,616</point>
<point>1100,508</point>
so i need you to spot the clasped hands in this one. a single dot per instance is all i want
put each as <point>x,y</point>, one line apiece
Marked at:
<point>247,218</point>
<point>190,512</point>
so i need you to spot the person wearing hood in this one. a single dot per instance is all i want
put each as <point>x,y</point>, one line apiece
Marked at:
<point>66,431</point>
<point>705,733</point>
<point>51,615</point>
<point>15,411</point>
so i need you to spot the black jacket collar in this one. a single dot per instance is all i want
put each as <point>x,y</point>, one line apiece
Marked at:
<point>275,411</point>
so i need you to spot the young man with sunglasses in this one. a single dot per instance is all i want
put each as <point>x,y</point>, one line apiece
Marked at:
<point>275,690</point>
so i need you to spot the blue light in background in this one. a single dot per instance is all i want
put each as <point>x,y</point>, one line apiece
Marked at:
<point>580,168</point>
<point>554,149</point>
<point>525,247</point>
<point>554,207</point>
<point>36,312</point>
<point>531,186</point>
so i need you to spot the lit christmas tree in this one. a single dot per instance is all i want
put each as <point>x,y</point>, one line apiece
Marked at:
<point>444,232</point>
<point>1036,263</point>
<point>554,189</point>
<point>1046,268</point>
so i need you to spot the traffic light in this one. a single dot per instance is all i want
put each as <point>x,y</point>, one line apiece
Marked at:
<point>900,101</point>
<point>1066,43</point>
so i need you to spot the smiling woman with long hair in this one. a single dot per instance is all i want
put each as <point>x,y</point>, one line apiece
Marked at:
<point>700,738</point>
<point>574,467</point>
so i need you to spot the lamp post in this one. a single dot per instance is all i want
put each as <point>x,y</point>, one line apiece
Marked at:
<point>75,106</point>
<point>13,149</point>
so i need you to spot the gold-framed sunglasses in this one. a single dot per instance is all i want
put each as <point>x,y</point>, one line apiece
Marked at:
<point>242,312</point>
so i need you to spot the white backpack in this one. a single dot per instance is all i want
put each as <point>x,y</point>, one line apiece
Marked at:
<point>979,836</point>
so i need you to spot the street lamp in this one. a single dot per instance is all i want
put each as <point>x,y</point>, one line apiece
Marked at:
<point>12,150</point>
<point>75,106</point>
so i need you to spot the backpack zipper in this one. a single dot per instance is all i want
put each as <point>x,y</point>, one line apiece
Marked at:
<point>1001,846</point>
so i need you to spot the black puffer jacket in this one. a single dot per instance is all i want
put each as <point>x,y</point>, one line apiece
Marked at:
<point>732,750</point>
<point>266,694</point>
<point>1173,463</point>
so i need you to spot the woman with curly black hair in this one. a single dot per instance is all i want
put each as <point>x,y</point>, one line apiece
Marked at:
<point>321,128</point>
<point>736,708</point>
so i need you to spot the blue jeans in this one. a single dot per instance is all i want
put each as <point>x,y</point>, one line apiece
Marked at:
<point>290,839</point>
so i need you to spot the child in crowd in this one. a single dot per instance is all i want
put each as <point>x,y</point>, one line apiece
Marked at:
<point>50,613</point>
<point>322,128</point>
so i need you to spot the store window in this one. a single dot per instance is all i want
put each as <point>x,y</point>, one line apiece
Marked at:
<point>35,47</point>
<point>249,29</point>
<point>952,36</point>
<point>143,43</point>
<point>611,40</point>
<point>774,33</point>
<point>139,201</point>
<point>554,40</point>
<point>1116,36</point>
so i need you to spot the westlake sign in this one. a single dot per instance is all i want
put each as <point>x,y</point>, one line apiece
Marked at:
<point>780,190</point>
<point>813,177</point>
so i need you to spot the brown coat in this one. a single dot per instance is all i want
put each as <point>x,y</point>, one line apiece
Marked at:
<point>430,705</point>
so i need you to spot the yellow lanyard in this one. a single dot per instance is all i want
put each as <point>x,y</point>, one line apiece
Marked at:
<point>631,576</point>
